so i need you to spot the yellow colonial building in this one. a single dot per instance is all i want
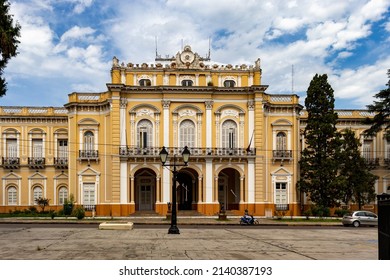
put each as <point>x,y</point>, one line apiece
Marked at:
<point>103,148</point>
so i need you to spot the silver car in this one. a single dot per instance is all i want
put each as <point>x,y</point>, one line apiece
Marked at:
<point>358,218</point>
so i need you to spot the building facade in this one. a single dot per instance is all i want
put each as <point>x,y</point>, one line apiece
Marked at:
<point>103,148</point>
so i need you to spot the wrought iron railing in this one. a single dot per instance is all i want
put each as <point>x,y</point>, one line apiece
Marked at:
<point>36,162</point>
<point>61,162</point>
<point>200,152</point>
<point>372,161</point>
<point>281,207</point>
<point>282,154</point>
<point>88,154</point>
<point>89,207</point>
<point>10,162</point>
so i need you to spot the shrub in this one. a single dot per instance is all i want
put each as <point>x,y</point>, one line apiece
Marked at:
<point>307,213</point>
<point>68,205</point>
<point>79,212</point>
<point>52,214</point>
<point>32,209</point>
<point>320,211</point>
<point>280,214</point>
<point>42,202</point>
<point>340,212</point>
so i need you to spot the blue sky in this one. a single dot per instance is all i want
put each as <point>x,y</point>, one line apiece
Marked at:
<point>68,45</point>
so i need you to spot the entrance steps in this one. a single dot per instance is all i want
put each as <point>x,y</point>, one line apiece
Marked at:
<point>145,214</point>
<point>190,213</point>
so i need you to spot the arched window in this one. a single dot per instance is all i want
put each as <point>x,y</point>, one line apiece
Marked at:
<point>229,83</point>
<point>144,134</point>
<point>37,191</point>
<point>281,141</point>
<point>187,134</point>
<point>12,196</point>
<point>62,195</point>
<point>89,141</point>
<point>229,134</point>
<point>145,83</point>
<point>187,83</point>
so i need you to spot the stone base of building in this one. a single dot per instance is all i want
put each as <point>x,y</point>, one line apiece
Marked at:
<point>207,209</point>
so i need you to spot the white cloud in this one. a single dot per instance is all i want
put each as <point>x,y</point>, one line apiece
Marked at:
<point>306,33</point>
<point>81,5</point>
<point>387,26</point>
<point>361,84</point>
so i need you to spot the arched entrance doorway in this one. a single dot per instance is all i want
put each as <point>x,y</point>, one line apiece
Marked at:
<point>229,188</point>
<point>145,190</point>
<point>187,189</point>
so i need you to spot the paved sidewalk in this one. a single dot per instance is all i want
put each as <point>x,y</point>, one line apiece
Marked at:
<point>161,220</point>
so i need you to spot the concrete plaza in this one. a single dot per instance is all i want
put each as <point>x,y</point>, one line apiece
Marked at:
<point>26,242</point>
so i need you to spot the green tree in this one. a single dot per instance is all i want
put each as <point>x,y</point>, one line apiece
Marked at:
<point>319,161</point>
<point>381,108</point>
<point>9,34</point>
<point>358,182</point>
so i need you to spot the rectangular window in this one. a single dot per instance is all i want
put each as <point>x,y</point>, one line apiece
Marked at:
<point>12,148</point>
<point>62,148</point>
<point>367,149</point>
<point>37,148</point>
<point>281,193</point>
<point>89,194</point>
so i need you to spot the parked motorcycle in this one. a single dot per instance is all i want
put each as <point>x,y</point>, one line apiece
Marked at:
<point>248,220</point>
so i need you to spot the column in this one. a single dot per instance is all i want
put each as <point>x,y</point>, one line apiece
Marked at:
<point>166,179</point>
<point>200,187</point>
<point>132,189</point>
<point>166,104</point>
<point>166,185</point>
<point>123,164</point>
<point>251,181</point>
<point>251,123</point>
<point>209,130</point>
<point>209,180</point>
<point>199,126</point>
<point>123,182</point>
<point>242,194</point>
<point>158,189</point>
<point>216,189</point>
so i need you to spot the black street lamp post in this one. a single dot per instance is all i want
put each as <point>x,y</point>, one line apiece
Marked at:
<point>163,157</point>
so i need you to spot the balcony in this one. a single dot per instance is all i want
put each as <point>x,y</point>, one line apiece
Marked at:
<point>88,155</point>
<point>282,155</point>
<point>36,162</point>
<point>372,162</point>
<point>10,162</point>
<point>126,151</point>
<point>61,163</point>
